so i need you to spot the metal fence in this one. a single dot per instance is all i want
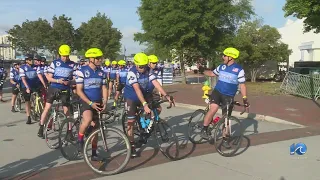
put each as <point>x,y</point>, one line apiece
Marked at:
<point>307,86</point>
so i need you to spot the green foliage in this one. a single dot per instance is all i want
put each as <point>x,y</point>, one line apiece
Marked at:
<point>309,10</point>
<point>195,26</point>
<point>98,32</point>
<point>259,43</point>
<point>30,36</point>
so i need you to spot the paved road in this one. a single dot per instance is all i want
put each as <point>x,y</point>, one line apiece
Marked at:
<point>24,155</point>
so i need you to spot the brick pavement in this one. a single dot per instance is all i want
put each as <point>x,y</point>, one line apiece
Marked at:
<point>289,108</point>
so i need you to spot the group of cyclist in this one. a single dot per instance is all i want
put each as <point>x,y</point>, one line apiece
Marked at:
<point>94,82</point>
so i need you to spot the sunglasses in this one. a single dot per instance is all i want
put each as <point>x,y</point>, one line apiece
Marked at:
<point>154,63</point>
<point>98,58</point>
<point>142,67</point>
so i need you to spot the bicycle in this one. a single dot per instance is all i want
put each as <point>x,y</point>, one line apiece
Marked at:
<point>225,121</point>
<point>68,141</point>
<point>106,131</point>
<point>18,102</point>
<point>36,106</point>
<point>56,117</point>
<point>154,127</point>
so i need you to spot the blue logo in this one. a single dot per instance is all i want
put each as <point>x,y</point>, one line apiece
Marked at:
<point>299,148</point>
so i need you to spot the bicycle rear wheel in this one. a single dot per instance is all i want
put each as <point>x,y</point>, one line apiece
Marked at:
<point>18,102</point>
<point>166,139</point>
<point>52,129</point>
<point>68,139</point>
<point>195,125</point>
<point>228,145</point>
<point>118,151</point>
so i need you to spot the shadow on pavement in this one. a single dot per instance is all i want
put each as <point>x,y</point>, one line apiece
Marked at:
<point>36,164</point>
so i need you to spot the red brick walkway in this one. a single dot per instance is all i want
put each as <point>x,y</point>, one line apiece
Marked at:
<point>290,108</point>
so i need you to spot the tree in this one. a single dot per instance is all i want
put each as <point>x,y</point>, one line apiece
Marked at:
<point>98,32</point>
<point>155,48</point>
<point>62,33</point>
<point>30,36</point>
<point>257,44</point>
<point>190,26</point>
<point>309,10</point>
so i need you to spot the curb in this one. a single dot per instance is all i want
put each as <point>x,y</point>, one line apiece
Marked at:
<point>245,115</point>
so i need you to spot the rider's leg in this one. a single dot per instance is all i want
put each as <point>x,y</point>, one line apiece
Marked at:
<point>116,98</point>
<point>15,91</point>
<point>110,89</point>
<point>27,97</point>
<point>86,120</point>
<point>131,110</point>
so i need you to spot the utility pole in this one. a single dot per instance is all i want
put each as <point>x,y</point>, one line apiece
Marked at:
<point>124,52</point>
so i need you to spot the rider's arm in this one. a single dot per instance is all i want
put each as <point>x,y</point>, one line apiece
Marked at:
<point>242,80</point>
<point>118,76</point>
<point>159,87</point>
<point>213,73</point>
<point>12,78</point>
<point>80,93</point>
<point>104,90</point>
<point>133,81</point>
<point>22,74</point>
<point>41,77</point>
<point>51,70</point>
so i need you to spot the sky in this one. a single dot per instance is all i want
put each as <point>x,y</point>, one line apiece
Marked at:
<point>121,12</point>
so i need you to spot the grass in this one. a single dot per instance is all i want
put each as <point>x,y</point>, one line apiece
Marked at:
<point>265,88</point>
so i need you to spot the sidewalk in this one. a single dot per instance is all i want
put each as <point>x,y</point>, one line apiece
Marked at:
<point>252,165</point>
<point>290,108</point>
<point>23,154</point>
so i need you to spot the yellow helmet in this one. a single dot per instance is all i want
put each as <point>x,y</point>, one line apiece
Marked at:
<point>107,62</point>
<point>231,52</point>
<point>140,59</point>
<point>64,50</point>
<point>114,62</point>
<point>153,59</point>
<point>122,62</point>
<point>93,53</point>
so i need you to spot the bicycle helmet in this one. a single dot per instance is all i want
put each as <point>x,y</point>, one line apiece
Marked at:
<point>153,59</point>
<point>64,50</point>
<point>122,62</point>
<point>231,52</point>
<point>140,59</point>
<point>114,62</point>
<point>93,53</point>
<point>107,62</point>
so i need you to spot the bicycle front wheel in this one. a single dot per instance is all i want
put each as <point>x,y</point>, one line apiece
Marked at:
<point>114,157</point>
<point>52,129</point>
<point>195,125</point>
<point>228,136</point>
<point>166,139</point>
<point>68,137</point>
<point>18,102</point>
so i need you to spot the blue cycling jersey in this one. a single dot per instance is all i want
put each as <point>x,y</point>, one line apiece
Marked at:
<point>92,81</point>
<point>229,77</point>
<point>30,73</point>
<point>157,73</point>
<point>113,72</point>
<point>123,72</point>
<point>14,75</point>
<point>142,79</point>
<point>61,70</point>
<point>2,72</point>
<point>41,70</point>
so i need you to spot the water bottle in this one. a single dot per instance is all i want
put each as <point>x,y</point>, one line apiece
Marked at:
<point>215,120</point>
<point>143,123</point>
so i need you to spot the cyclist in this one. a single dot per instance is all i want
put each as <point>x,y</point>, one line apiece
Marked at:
<point>91,88</point>
<point>112,76</point>
<point>135,92</point>
<point>60,74</point>
<point>15,82</point>
<point>41,70</point>
<point>121,78</point>
<point>230,75</point>
<point>28,75</point>
<point>3,76</point>
<point>152,94</point>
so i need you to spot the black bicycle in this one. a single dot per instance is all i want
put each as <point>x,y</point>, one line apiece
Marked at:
<point>165,136</point>
<point>228,129</point>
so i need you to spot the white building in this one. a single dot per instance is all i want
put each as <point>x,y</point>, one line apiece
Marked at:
<point>6,50</point>
<point>304,46</point>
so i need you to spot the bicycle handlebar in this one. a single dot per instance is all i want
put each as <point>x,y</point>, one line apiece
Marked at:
<point>153,103</point>
<point>237,103</point>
